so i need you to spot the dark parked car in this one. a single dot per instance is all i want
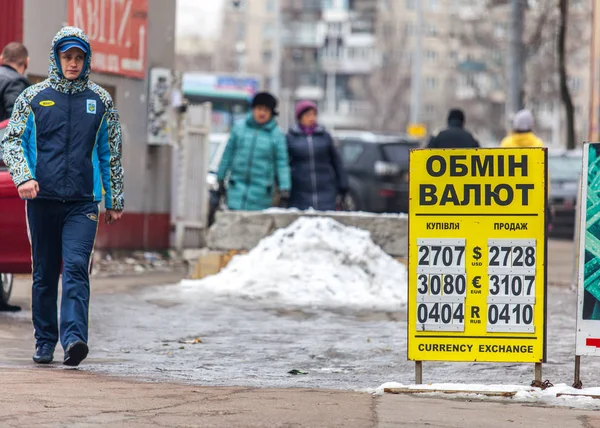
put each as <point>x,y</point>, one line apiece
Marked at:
<point>15,253</point>
<point>564,170</point>
<point>377,168</point>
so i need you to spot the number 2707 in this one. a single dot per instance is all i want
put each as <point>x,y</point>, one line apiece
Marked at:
<point>436,255</point>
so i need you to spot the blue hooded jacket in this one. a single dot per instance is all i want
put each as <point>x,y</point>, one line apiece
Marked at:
<point>65,134</point>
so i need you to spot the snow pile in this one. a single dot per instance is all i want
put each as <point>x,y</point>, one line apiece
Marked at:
<point>313,212</point>
<point>557,395</point>
<point>314,262</point>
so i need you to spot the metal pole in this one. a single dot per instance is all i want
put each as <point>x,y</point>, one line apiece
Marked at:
<point>514,100</point>
<point>419,372</point>
<point>276,59</point>
<point>577,381</point>
<point>415,102</point>
<point>538,373</point>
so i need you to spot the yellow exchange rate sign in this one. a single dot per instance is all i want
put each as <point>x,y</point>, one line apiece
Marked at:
<point>477,255</point>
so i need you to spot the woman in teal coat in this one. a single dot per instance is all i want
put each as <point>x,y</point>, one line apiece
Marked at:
<point>255,159</point>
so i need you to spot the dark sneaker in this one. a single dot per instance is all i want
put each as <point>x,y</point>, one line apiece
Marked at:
<point>44,354</point>
<point>75,353</point>
<point>5,307</point>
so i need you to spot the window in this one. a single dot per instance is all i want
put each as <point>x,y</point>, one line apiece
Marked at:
<point>240,31</point>
<point>434,4</point>
<point>411,4</point>
<point>238,4</point>
<point>268,30</point>
<point>431,82</point>
<point>267,56</point>
<point>468,79</point>
<point>575,84</point>
<point>430,30</point>
<point>350,152</point>
<point>270,5</point>
<point>498,56</point>
<point>397,153</point>
<point>501,29</point>
<point>388,30</point>
<point>431,56</point>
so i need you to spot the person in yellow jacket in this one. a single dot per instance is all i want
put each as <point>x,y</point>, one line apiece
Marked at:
<point>522,134</point>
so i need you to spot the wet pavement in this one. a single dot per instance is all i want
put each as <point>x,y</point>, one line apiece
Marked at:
<point>249,345</point>
<point>138,333</point>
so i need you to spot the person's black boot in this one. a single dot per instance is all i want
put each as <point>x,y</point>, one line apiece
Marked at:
<point>44,354</point>
<point>75,353</point>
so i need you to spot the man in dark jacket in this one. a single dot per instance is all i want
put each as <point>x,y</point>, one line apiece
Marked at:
<point>455,136</point>
<point>74,124</point>
<point>14,61</point>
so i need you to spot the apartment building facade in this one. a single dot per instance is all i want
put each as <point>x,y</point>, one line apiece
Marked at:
<point>324,44</point>
<point>356,58</point>
<point>464,56</point>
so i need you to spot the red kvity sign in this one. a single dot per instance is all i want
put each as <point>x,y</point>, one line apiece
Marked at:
<point>117,31</point>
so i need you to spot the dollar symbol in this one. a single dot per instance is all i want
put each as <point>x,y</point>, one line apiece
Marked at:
<point>477,253</point>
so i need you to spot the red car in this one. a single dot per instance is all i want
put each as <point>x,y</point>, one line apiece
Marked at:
<point>15,251</point>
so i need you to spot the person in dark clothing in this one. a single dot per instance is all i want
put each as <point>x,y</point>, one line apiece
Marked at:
<point>318,177</point>
<point>455,136</point>
<point>63,149</point>
<point>14,61</point>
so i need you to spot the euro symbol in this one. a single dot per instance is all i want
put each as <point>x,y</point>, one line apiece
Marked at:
<point>476,283</point>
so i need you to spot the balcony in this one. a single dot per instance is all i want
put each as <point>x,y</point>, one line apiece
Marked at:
<point>302,34</point>
<point>303,7</point>
<point>349,59</point>
<point>345,114</point>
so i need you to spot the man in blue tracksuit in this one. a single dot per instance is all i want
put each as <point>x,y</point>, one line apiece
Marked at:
<point>63,149</point>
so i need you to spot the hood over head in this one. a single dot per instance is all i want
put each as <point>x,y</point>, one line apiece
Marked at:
<point>456,117</point>
<point>522,121</point>
<point>75,37</point>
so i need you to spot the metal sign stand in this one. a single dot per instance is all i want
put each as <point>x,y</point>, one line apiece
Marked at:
<point>575,276</point>
<point>419,372</point>
<point>577,380</point>
<point>537,382</point>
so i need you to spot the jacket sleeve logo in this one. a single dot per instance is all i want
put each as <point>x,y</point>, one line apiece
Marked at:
<point>91,106</point>
<point>47,103</point>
